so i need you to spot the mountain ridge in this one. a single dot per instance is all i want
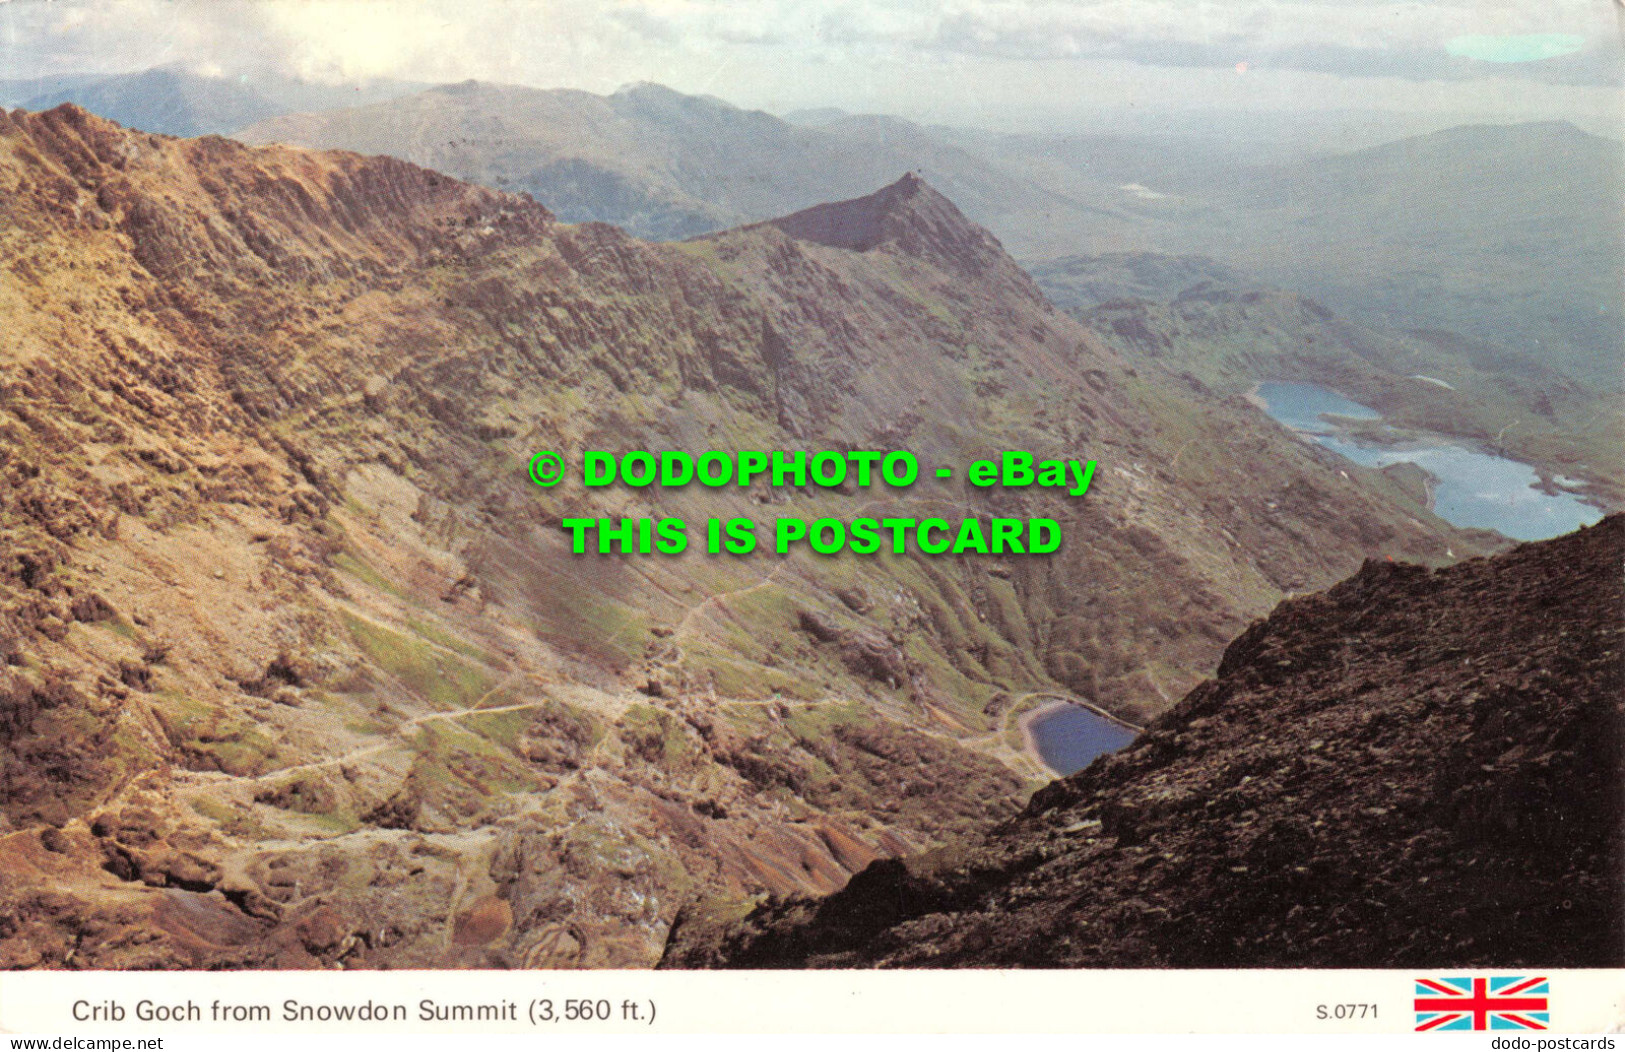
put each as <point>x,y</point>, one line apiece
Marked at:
<point>916,220</point>
<point>1470,230</point>
<point>299,670</point>
<point>663,164</point>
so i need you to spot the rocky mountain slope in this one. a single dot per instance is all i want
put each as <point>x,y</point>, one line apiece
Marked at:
<point>1414,768</point>
<point>299,670</point>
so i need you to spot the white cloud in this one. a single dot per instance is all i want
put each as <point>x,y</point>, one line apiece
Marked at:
<point>940,60</point>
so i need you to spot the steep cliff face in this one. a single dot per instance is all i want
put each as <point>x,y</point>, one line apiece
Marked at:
<point>299,669</point>
<point>1413,768</point>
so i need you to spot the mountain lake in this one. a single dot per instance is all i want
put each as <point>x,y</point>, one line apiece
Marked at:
<point>1069,737</point>
<point>1474,489</point>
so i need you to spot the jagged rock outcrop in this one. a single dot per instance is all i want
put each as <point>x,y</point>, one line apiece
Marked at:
<point>1414,768</point>
<point>914,220</point>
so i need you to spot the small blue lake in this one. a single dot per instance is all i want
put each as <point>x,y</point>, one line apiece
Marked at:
<point>1303,407</point>
<point>1473,489</point>
<point>1069,738</point>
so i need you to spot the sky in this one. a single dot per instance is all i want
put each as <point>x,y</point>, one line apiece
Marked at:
<point>1032,64</point>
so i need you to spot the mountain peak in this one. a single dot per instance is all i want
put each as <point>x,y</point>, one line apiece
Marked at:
<point>647,93</point>
<point>909,183</point>
<point>71,115</point>
<point>910,218</point>
<point>647,87</point>
<point>863,223</point>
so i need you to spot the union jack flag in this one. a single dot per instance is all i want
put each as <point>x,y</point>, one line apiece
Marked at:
<point>1503,1002</point>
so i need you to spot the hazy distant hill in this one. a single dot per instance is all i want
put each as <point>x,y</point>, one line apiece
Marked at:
<point>18,90</point>
<point>1078,282</point>
<point>666,165</point>
<point>168,101</point>
<point>1507,234</point>
<point>1503,233</point>
<point>172,100</point>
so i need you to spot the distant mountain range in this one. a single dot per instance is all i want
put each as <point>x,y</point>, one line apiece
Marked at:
<point>665,165</point>
<point>1504,234</point>
<point>173,100</point>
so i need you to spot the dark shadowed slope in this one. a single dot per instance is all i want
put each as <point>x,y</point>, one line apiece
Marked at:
<point>1414,768</point>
